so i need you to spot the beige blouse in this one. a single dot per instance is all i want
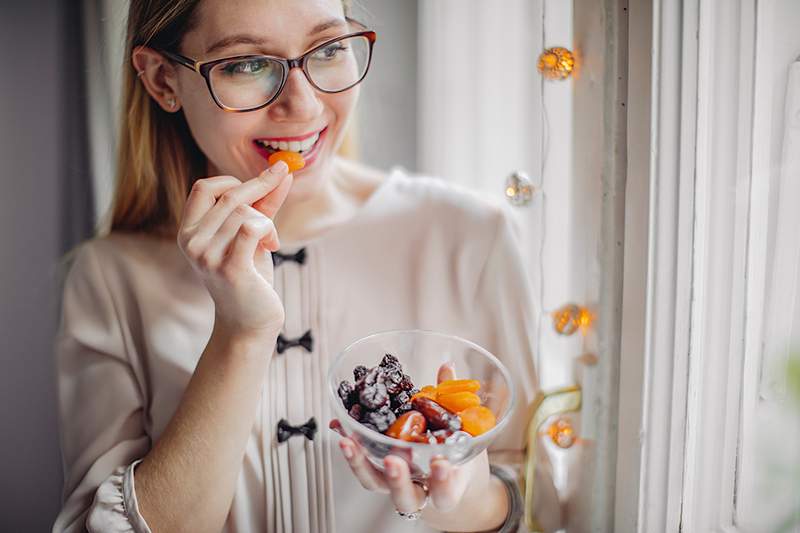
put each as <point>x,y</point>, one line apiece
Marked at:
<point>421,253</point>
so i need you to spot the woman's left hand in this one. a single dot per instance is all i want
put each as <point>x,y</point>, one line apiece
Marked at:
<point>458,494</point>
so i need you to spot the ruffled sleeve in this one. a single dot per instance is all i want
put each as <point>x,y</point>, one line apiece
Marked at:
<point>100,401</point>
<point>115,509</point>
<point>507,327</point>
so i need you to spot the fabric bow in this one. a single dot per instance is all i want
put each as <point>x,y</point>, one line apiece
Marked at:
<point>299,257</point>
<point>305,341</point>
<point>286,431</point>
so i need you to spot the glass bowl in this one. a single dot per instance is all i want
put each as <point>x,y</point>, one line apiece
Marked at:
<point>421,353</point>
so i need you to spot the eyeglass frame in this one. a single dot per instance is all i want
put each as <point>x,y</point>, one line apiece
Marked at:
<point>204,68</point>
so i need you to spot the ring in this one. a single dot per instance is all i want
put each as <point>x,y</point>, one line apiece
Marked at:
<point>418,513</point>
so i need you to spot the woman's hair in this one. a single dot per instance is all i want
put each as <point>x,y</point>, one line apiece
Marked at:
<point>157,158</point>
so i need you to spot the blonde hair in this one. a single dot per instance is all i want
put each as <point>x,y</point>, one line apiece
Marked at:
<point>157,158</point>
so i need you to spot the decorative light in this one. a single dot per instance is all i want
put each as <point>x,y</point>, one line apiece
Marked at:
<point>571,318</point>
<point>519,188</point>
<point>556,63</point>
<point>562,433</point>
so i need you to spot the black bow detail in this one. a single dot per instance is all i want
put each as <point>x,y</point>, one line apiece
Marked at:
<point>286,431</point>
<point>299,257</point>
<point>305,341</point>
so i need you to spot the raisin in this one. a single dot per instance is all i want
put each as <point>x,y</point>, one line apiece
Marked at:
<point>390,361</point>
<point>356,411</point>
<point>403,408</point>
<point>374,396</point>
<point>437,416</point>
<point>346,394</point>
<point>406,384</point>
<point>400,398</point>
<point>359,372</point>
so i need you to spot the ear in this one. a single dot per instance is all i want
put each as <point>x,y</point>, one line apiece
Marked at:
<point>158,75</point>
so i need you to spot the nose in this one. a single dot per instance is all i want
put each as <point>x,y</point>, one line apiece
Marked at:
<point>298,102</point>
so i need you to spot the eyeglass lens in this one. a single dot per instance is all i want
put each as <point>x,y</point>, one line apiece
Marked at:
<point>251,82</point>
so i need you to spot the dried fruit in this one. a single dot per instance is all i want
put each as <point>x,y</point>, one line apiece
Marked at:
<point>293,160</point>
<point>458,385</point>
<point>359,372</point>
<point>390,361</point>
<point>477,420</point>
<point>440,435</point>
<point>373,396</point>
<point>381,419</point>
<point>356,411</point>
<point>345,392</point>
<point>457,401</point>
<point>428,391</point>
<point>437,416</point>
<point>409,426</point>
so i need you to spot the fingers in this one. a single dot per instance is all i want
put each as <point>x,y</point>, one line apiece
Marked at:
<point>367,475</point>
<point>408,497</point>
<point>447,484</point>
<point>251,232</point>
<point>446,372</point>
<point>246,193</point>
<point>204,195</point>
<point>222,242</point>
<point>271,203</point>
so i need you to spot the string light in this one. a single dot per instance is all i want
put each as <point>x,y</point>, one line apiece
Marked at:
<point>562,433</point>
<point>556,63</point>
<point>571,318</point>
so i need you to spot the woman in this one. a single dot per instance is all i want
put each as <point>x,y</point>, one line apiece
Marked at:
<point>212,308</point>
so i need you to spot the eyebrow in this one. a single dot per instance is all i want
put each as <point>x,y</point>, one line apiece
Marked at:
<point>244,38</point>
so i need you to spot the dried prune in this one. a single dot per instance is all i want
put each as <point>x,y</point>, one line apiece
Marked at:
<point>359,372</point>
<point>373,396</point>
<point>406,384</point>
<point>356,411</point>
<point>400,398</point>
<point>437,416</point>
<point>390,361</point>
<point>403,408</point>
<point>346,394</point>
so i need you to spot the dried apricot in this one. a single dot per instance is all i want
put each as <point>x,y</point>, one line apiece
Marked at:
<point>477,420</point>
<point>458,401</point>
<point>458,385</point>
<point>293,160</point>
<point>428,391</point>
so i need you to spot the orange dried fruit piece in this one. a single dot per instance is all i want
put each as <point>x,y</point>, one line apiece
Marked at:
<point>458,385</point>
<point>477,420</point>
<point>457,401</point>
<point>428,391</point>
<point>293,160</point>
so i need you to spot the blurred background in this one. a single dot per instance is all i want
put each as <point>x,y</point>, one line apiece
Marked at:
<point>653,188</point>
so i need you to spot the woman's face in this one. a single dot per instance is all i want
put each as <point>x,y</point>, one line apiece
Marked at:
<point>232,142</point>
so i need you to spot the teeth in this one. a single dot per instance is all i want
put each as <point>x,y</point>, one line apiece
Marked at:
<point>294,146</point>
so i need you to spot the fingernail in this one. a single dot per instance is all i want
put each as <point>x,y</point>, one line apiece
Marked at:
<point>280,166</point>
<point>348,453</point>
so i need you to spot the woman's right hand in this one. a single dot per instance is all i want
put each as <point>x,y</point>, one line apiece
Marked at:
<point>227,241</point>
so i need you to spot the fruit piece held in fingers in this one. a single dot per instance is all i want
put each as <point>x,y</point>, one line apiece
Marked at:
<point>293,160</point>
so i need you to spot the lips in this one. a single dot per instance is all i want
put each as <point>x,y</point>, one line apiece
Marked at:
<point>268,146</point>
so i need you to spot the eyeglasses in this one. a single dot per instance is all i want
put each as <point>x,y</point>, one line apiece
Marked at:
<point>250,82</point>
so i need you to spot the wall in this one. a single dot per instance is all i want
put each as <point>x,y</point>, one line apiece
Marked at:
<point>31,141</point>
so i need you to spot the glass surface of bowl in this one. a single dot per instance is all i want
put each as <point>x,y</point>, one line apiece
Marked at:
<point>421,353</point>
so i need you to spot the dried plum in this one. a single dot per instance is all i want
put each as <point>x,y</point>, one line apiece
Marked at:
<point>389,361</point>
<point>356,411</point>
<point>346,393</point>
<point>381,419</point>
<point>359,372</point>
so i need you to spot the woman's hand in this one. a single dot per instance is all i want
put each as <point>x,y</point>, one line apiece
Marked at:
<point>462,498</point>
<point>226,233</point>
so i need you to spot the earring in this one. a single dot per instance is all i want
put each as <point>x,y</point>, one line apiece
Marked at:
<point>171,102</point>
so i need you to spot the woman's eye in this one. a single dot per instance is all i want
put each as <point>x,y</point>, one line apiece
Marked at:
<point>330,51</point>
<point>250,66</point>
